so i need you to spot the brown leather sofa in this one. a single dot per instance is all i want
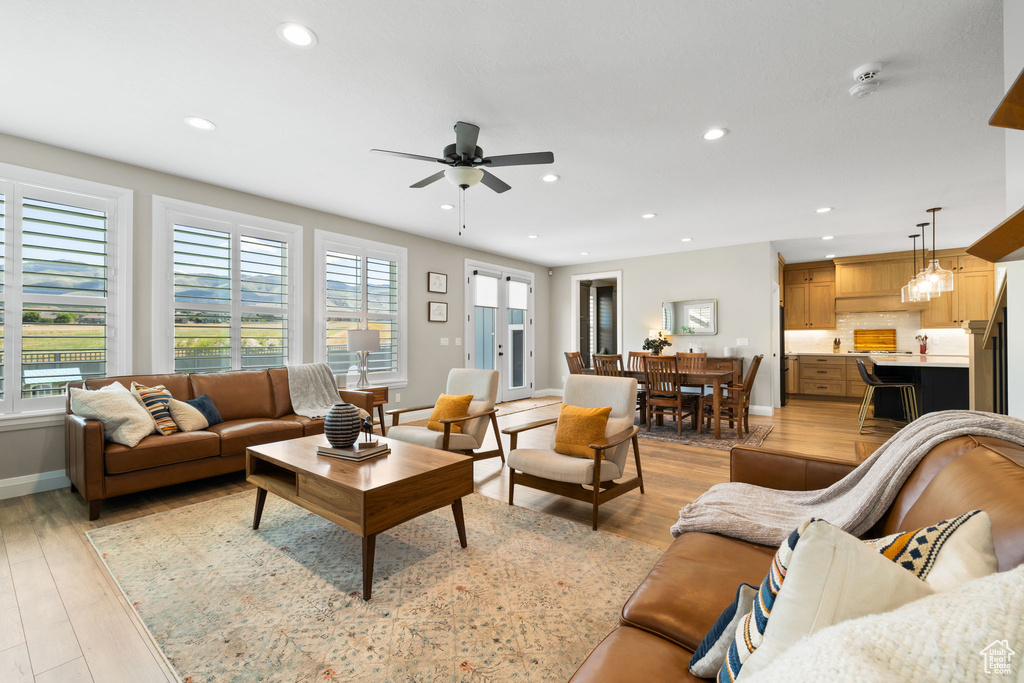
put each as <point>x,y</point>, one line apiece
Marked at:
<point>667,616</point>
<point>255,405</point>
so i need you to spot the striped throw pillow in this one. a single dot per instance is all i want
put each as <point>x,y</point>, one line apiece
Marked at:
<point>156,400</point>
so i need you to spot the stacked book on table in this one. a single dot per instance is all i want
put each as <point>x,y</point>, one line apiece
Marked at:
<point>353,452</point>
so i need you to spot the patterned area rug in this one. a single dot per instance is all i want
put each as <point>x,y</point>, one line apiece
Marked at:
<point>667,432</point>
<point>526,601</point>
<point>511,407</point>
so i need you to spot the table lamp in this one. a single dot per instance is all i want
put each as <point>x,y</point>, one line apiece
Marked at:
<point>363,342</point>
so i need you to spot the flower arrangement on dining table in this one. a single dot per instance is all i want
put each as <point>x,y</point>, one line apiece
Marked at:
<point>656,344</point>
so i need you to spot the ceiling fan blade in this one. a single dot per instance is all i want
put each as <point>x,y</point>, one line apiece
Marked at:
<point>495,183</point>
<point>404,155</point>
<point>465,139</point>
<point>519,159</point>
<point>429,179</point>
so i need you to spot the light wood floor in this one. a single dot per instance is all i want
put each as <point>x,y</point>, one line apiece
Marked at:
<point>62,617</point>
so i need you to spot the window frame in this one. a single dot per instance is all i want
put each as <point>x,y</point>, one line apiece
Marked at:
<point>324,241</point>
<point>118,204</point>
<point>167,211</point>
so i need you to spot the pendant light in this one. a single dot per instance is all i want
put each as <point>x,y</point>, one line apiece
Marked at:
<point>923,284</point>
<point>911,292</point>
<point>939,279</point>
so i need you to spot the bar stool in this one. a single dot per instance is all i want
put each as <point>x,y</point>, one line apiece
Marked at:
<point>908,395</point>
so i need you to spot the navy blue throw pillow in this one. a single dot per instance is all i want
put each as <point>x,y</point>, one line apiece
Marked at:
<point>204,404</point>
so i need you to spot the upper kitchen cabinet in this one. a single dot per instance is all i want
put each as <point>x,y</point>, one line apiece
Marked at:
<point>972,297</point>
<point>869,276</point>
<point>810,296</point>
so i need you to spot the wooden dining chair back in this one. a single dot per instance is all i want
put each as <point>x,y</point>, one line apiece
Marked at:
<point>693,362</point>
<point>636,361</point>
<point>664,394</point>
<point>735,402</point>
<point>608,365</point>
<point>575,361</point>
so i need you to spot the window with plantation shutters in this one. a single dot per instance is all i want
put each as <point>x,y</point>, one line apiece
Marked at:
<point>231,287</point>
<point>361,285</point>
<point>63,291</point>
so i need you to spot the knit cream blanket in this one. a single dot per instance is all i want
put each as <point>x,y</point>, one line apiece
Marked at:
<point>854,503</point>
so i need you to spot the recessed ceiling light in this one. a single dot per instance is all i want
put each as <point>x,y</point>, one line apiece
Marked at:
<point>686,239</point>
<point>829,237</point>
<point>584,253</point>
<point>550,178</point>
<point>824,209</point>
<point>648,215</point>
<point>199,123</point>
<point>532,237</point>
<point>830,255</point>
<point>447,207</point>
<point>715,133</point>
<point>296,34</point>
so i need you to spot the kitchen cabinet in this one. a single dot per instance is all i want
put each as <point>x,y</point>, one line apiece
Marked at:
<point>880,277</point>
<point>810,295</point>
<point>792,375</point>
<point>829,375</point>
<point>972,297</point>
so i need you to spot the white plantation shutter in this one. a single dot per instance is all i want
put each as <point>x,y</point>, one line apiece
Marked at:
<point>58,290</point>
<point>231,288</point>
<point>361,284</point>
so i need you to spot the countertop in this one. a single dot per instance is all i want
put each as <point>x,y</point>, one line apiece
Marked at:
<point>906,360</point>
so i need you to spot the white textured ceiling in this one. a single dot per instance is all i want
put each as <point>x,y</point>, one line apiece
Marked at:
<point>619,90</point>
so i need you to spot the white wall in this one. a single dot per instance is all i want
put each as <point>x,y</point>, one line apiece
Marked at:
<point>29,452</point>
<point>739,277</point>
<point>1013,63</point>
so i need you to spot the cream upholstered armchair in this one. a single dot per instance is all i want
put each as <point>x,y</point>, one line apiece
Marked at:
<point>566,475</point>
<point>483,384</point>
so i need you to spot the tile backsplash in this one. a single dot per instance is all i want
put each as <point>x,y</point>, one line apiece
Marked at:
<point>945,342</point>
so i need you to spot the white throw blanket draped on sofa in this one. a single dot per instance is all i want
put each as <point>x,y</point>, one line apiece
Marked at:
<point>313,389</point>
<point>854,503</point>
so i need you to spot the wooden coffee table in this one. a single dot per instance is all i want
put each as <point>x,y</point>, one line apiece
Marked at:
<point>364,497</point>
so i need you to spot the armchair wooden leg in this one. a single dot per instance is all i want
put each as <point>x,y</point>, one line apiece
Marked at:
<point>497,437</point>
<point>511,484</point>
<point>597,484</point>
<point>636,457</point>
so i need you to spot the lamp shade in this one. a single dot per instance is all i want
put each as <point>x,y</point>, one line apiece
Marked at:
<point>364,340</point>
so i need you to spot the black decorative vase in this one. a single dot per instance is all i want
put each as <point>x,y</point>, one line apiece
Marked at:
<point>342,425</point>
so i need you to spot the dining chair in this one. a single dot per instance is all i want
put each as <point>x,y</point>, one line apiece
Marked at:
<point>908,395</point>
<point>575,361</point>
<point>463,434</point>
<point>664,394</point>
<point>735,401</point>
<point>608,364</point>
<point>595,479</point>
<point>636,360</point>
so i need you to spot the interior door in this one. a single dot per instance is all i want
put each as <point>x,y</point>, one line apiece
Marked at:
<point>499,328</point>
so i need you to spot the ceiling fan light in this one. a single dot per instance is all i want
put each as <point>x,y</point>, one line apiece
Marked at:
<point>463,176</point>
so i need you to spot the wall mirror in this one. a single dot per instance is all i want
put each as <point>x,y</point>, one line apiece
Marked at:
<point>696,316</point>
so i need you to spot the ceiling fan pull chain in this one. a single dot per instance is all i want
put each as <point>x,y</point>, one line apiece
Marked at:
<point>462,210</point>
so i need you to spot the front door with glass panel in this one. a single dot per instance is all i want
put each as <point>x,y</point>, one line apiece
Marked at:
<point>499,327</point>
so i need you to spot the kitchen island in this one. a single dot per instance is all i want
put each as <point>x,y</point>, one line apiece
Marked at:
<point>942,383</point>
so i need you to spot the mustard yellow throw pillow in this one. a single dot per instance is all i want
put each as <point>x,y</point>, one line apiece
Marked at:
<point>578,428</point>
<point>448,407</point>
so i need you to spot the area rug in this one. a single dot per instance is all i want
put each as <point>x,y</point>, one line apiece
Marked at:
<point>526,601</point>
<point>512,407</point>
<point>706,439</point>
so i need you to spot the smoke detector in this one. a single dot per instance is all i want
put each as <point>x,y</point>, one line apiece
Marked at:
<point>866,78</point>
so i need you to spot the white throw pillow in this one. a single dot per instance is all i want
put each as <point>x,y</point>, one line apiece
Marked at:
<point>187,417</point>
<point>947,554</point>
<point>124,419</point>
<point>820,577</point>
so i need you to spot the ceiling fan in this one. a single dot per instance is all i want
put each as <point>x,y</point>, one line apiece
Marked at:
<point>464,160</point>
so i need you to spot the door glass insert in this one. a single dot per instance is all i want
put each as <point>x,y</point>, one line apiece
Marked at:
<point>485,303</point>
<point>518,302</point>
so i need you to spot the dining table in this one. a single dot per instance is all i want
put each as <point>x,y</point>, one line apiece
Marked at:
<point>716,378</point>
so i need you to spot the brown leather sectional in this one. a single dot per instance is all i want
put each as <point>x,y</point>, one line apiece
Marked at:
<point>669,613</point>
<point>256,407</point>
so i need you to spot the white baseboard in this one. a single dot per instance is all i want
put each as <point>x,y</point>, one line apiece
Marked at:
<point>33,483</point>
<point>766,411</point>
<point>547,392</point>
